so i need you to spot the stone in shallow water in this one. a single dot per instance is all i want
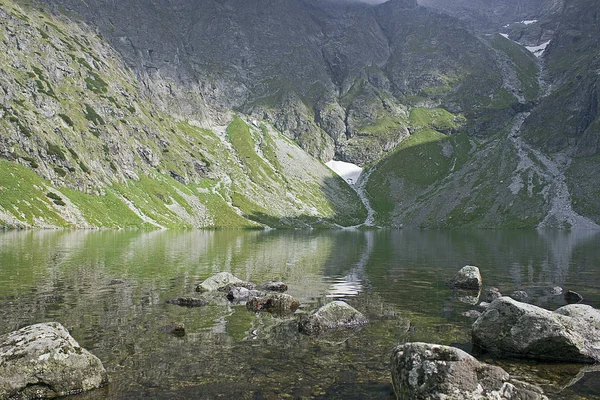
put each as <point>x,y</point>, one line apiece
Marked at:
<point>278,303</point>
<point>176,329</point>
<point>509,327</point>
<point>275,287</point>
<point>241,294</point>
<point>468,278</point>
<point>520,295</point>
<point>43,360</point>
<point>334,315</point>
<point>572,297</point>
<point>188,302</point>
<point>222,281</point>
<point>423,371</point>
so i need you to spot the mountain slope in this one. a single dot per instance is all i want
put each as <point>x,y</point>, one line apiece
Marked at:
<point>104,156</point>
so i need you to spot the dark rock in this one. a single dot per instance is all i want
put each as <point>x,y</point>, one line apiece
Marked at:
<point>423,371</point>
<point>275,287</point>
<point>278,303</point>
<point>43,360</point>
<point>572,297</point>
<point>492,294</point>
<point>188,302</point>
<point>334,315</point>
<point>508,327</point>
<point>240,294</point>
<point>520,295</point>
<point>468,278</point>
<point>177,329</point>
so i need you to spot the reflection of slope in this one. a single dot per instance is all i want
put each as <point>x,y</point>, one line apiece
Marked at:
<point>351,284</point>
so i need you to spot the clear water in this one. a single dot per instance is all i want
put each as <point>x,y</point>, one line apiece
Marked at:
<point>109,289</point>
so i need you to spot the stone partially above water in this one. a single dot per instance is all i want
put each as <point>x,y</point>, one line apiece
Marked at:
<point>508,327</point>
<point>43,360</point>
<point>334,315</point>
<point>275,287</point>
<point>220,281</point>
<point>189,302</point>
<point>468,278</point>
<point>241,294</point>
<point>423,371</point>
<point>277,303</point>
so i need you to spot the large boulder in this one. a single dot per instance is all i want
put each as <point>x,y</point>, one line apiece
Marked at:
<point>223,281</point>
<point>334,315</point>
<point>508,327</point>
<point>423,371</point>
<point>43,361</point>
<point>277,303</point>
<point>468,278</point>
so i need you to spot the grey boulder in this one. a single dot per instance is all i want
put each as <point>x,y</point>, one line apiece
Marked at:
<point>332,316</point>
<point>508,327</point>
<point>423,371</point>
<point>468,277</point>
<point>241,294</point>
<point>44,361</point>
<point>275,287</point>
<point>222,281</point>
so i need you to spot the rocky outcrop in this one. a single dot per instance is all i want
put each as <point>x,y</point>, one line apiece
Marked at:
<point>423,371</point>
<point>278,303</point>
<point>43,360</point>
<point>508,327</point>
<point>468,278</point>
<point>332,316</point>
<point>221,281</point>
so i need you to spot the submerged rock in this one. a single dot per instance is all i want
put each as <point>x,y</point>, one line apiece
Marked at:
<point>278,303</point>
<point>275,287</point>
<point>474,314</point>
<point>520,295</point>
<point>572,297</point>
<point>240,294</point>
<point>468,278</point>
<point>468,296</point>
<point>177,329</point>
<point>492,294</point>
<point>43,360</point>
<point>423,371</point>
<point>222,281</point>
<point>508,327</point>
<point>188,302</point>
<point>334,315</point>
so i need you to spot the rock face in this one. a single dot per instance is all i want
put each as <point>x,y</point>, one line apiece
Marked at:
<point>334,315</point>
<point>278,303</point>
<point>220,281</point>
<point>423,371</point>
<point>43,360</point>
<point>468,278</point>
<point>508,327</point>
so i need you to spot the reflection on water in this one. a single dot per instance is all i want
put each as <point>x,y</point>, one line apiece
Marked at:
<point>109,289</point>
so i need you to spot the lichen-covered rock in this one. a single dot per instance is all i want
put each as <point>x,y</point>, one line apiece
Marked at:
<point>240,294</point>
<point>508,327</point>
<point>275,287</point>
<point>423,371</point>
<point>277,303</point>
<point>334,315</point>
<point>43,360</point>
<point>220,281</point>
<point>188,302</point>
<point>468,278</point>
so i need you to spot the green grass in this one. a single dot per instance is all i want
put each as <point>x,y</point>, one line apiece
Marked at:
<point>438,119</point>
<point>383,125</point>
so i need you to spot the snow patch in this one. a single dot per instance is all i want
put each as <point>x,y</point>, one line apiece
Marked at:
<point>348,171</point>
<point>505,35</point>
<point>538,50</point>
<point>529,22</point>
